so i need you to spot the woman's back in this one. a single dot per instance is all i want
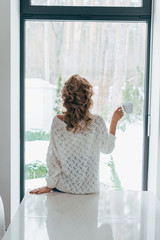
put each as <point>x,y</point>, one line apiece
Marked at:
<point>76,156</point>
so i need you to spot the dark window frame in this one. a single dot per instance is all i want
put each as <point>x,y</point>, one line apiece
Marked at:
<point>31,10</point>
<point>140,14</point>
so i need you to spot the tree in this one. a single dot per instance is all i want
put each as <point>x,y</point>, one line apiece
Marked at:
<point>116,183</point>
<point>133,93</point>
<point>58,100</point>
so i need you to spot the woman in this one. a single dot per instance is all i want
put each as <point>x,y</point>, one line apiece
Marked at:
<point>77,138</point>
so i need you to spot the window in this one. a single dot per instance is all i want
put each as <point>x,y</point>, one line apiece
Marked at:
<point>113,54</point>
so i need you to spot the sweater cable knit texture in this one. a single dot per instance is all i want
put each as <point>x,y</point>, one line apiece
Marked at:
<point>73,159</point>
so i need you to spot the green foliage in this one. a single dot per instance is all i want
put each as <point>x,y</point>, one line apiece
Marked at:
<point>58,100</point>
<point>35,170</point>
<point>134,94</point>
<point>106,111</point>
<point>116,183</point>
<point>37,134</point>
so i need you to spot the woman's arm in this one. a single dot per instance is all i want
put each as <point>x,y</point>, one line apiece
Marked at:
<point>113,126</point>
<point>53,165</point>
<point>117,115</point>
<point>108,138</point>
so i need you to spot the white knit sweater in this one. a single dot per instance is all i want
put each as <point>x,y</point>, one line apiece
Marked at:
<point>73,159</point>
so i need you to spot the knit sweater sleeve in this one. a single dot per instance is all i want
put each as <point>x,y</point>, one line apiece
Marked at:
<point>107,140</point>
<point>53,164</point>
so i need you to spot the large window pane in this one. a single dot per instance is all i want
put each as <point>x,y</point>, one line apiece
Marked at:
<point>109,3</point>
<point>111,55</point>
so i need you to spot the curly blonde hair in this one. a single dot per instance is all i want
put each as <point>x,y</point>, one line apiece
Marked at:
<point>76,95</point>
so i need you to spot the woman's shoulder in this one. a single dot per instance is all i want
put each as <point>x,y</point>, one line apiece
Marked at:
<point>98,121</point>
<point>97,117</point>
<point>57,119</point>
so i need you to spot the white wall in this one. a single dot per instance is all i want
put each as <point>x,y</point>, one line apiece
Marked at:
<point>5,105</point>
<point>15,104</point>
<point>9,106</point>
<point>154,151</point>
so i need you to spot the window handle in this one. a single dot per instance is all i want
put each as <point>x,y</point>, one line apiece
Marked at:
<point>149,126</point>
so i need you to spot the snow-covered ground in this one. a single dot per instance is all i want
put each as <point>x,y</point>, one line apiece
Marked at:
<point>127,157</point>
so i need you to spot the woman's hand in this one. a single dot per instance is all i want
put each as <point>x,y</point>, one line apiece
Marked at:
<point>117,115</point>
<point>41,190</point>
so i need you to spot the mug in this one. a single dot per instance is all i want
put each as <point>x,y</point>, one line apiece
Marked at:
<point>128,107</point>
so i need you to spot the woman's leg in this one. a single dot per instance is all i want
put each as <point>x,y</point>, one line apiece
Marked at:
<point>56,190</point>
